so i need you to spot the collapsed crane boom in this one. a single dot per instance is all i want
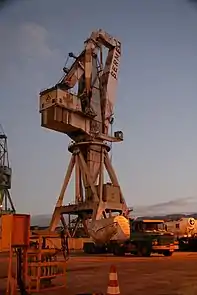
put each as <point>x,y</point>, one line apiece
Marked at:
<point>98,82</point>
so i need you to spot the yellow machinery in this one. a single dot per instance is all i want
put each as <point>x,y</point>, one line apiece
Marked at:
<point>35,264</point>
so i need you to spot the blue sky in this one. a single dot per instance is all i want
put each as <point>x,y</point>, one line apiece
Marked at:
<point>156,104</point>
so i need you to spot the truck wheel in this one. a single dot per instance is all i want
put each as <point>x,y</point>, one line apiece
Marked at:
<point>89,248</point>
<point>143,251</point>
<point>167,253</point>
<point>118,251</point>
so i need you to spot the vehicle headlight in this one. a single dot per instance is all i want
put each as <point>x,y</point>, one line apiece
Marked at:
<point>154,242</point>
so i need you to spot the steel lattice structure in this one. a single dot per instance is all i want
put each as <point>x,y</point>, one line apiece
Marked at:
<point>6,204</point>
<point>86,116</point>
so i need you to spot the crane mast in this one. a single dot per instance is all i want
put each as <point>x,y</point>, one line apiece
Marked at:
<point>6,204</point>
<point>85,116</point>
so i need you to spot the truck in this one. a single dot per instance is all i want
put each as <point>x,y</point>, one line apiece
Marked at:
<point>185,232</point>
<point>145,237</point>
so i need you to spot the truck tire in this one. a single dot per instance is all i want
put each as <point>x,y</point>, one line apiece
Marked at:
<point>143,251</point>
<point>89,248</point>
<point>167,253</point>
<point>118,251</point>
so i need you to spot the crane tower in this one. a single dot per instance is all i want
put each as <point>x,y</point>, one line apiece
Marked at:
<point>6,204</point>
<point>81,105</point>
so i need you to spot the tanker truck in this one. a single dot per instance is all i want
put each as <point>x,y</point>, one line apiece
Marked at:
<point>120,235</point>
<point>185,232</point>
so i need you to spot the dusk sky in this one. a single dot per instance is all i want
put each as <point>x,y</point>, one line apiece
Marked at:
<point>156,105</point>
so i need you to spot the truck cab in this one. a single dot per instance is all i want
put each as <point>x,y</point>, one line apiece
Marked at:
<point>146,237</point>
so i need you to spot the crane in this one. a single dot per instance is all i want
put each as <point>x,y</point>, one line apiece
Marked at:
<point>6,204</point>
<point>81,105</point>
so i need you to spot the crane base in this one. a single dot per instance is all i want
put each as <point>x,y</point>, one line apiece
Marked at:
<point>94,198</point>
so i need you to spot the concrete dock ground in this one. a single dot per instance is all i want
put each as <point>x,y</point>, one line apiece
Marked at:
<point>153,275</point>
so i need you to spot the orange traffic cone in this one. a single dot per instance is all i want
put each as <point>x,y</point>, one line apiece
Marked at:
<point>113,286</point>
